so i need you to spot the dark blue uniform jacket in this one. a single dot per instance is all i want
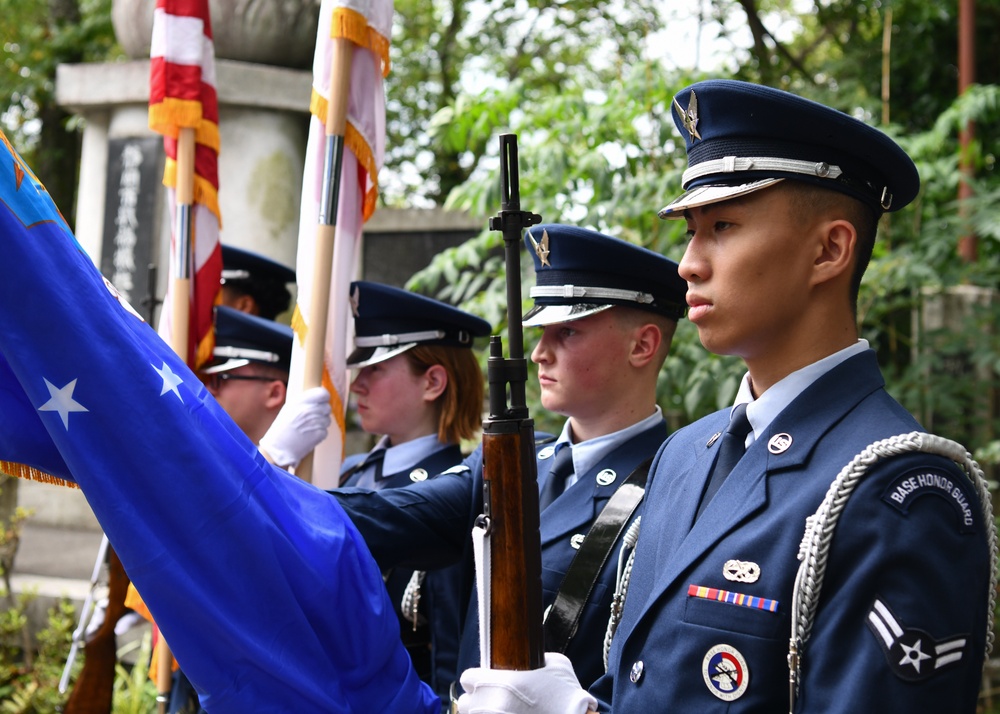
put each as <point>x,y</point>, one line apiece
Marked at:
<point>428,525</point>
<point>433,645</point>
<point>902,615</point>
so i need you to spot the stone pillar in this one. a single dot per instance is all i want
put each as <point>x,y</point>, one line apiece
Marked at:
<point>261,50</point>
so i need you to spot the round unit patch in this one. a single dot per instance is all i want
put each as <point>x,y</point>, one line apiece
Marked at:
<point>725,672</point>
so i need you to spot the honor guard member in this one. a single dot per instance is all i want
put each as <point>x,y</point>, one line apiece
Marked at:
<point>254,284</point>
<point>783,197</point>
<point>607,311</point>
<point>248,377</point>
<point>417,386</point>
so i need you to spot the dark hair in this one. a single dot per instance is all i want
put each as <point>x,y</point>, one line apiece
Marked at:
<point>272,298</point>
<point>814,199</point>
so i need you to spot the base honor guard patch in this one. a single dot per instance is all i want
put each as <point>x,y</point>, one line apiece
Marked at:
<point>725,672</point>
<point>907,488</point>
<point>913,654</point>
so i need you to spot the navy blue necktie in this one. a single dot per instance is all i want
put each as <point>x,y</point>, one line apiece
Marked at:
<point>368,471</point>
<point>555,482</point>
<point>730,452</point>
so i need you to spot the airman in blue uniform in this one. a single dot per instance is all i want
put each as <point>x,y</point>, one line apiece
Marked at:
<point>419,387</point>
<point>782,201</point>
<point>607,310</point>
<point>255,284</point>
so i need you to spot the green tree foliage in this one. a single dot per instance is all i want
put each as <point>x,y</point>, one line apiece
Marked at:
<point>446,48</point>
<point>946,371</point>
<point>37,36</point>
<point>603,153</point>
<point>597,153</point>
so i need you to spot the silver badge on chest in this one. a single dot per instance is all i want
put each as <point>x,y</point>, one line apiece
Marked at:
<point>779,443</point>
<point>741,571</point>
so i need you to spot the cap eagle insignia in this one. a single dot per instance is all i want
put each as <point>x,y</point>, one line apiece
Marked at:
<point>690,115</point>
<point>355,300</point>
<point>541,249</point>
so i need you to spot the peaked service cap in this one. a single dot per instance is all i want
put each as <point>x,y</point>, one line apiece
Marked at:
<point>580,272</point>
<point>260,277</point>
<point>241,338</point>
<point>389,321</point>
<point>743,137</point>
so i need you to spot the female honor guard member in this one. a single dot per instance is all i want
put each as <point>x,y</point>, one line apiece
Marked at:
<point>607,310</point>
<point>782,204</point>
<point>419,387</point>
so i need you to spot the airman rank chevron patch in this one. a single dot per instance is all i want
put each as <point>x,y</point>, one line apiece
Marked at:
<point>913,654</point>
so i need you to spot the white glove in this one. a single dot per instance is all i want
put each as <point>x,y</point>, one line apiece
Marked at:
<point>553,689</point>
<point>299,427</point>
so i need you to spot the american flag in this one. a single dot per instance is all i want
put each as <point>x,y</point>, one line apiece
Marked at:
<point>182,95</point>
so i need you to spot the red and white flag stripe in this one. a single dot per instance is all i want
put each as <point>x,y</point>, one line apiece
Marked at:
<point>182,94</point>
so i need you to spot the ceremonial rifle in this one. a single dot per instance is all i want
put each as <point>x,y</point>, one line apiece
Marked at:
<point>94,688</point>
<point>510,482</point>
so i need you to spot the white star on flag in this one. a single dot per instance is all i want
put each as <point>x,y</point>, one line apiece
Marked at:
<point>170,380</point>
<point>62,401</point>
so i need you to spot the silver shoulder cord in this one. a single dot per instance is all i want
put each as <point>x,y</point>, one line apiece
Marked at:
<point>815,546</point>
<point>626,556</point>
<point>409,606</point>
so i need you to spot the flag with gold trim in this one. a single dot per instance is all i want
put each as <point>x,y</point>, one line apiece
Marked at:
<point>291,614</point>
<point>367,24</point>
<point>182,94</point>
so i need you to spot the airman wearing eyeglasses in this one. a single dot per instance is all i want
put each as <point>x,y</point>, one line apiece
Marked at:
<point>249,377</point>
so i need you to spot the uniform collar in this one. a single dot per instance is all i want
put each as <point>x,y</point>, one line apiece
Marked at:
<point>404,456</point>
<point>587,454</point>
<point>763,410</point>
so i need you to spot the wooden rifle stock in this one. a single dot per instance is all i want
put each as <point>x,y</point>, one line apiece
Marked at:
<point>510,481</point>
<point>94,688</point>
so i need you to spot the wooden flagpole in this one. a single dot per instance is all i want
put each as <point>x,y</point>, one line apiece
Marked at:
<point>319,302</point>
<point>180,334</point>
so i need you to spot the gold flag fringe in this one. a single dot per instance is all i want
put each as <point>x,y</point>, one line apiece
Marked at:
<point>206,347</point>
<point>172,114</point>
<point>336,405</point>
<point>31,474</point>
<point>354,26</point>
<point>356,142</point>
<point>204,192</point>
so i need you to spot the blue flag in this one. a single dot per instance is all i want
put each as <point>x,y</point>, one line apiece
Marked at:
<point>266,593</point>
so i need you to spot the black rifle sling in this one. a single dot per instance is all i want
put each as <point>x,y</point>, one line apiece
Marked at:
<point>563,617</point>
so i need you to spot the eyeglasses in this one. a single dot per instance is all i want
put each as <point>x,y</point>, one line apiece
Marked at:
<point>214,381</point>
